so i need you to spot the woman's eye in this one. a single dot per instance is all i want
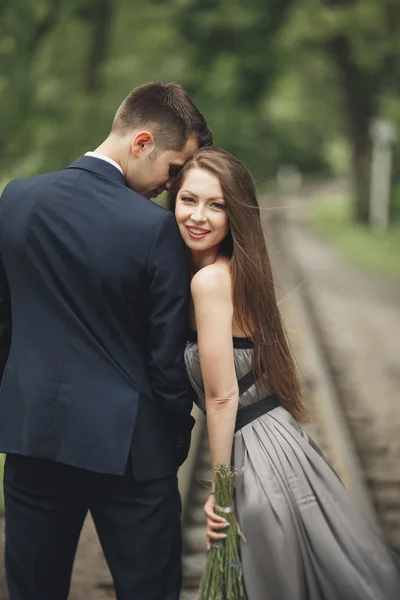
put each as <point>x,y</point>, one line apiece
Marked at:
<point>218,205</point>
<point>187,199</point>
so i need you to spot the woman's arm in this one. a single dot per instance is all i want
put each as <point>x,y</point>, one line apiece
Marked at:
<point>212,299</point>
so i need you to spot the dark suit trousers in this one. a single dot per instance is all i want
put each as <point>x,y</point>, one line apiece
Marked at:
<point>138,524</point>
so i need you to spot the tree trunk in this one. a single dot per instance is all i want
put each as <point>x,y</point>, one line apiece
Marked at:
<point>358,104</point>
<point>101,23</point>
<point>361,159</point>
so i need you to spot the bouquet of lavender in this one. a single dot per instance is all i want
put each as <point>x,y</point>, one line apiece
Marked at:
<point>222,578</point>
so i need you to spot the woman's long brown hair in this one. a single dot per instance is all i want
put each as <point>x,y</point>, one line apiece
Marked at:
<point>253,291</point>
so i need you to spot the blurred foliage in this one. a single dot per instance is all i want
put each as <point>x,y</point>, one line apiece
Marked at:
<point>280,81</point>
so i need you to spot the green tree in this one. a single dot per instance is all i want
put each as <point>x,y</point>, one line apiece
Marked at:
<point>361,40</point>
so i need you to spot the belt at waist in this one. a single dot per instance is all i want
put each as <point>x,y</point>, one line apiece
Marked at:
<point>247,414</point>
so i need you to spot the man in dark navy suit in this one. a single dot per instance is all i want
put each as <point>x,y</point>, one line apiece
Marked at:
<point>94,400</point>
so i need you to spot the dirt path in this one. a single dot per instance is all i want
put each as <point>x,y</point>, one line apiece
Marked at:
<point>359,316</point>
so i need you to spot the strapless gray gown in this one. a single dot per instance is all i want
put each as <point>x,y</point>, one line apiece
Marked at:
<point>305,539</point>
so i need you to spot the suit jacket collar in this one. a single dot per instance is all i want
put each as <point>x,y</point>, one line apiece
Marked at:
<point>99,167</point>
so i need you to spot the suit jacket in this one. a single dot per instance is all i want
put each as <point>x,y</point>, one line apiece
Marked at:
<point>94,292</point>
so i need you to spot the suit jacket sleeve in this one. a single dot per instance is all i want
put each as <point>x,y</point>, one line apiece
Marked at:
<point>5,311</point>
<point>168,308</point>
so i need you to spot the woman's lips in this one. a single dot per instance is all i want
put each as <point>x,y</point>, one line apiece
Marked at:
<point>197,233</point>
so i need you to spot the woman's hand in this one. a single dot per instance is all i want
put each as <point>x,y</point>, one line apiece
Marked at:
<point>215,523</point>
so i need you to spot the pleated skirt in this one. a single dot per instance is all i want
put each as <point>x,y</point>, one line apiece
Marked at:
<point>305,538</point>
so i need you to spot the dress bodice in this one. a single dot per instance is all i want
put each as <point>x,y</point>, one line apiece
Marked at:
<point>243,357</point>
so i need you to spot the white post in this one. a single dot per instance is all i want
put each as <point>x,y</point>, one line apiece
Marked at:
<point>383,135</point>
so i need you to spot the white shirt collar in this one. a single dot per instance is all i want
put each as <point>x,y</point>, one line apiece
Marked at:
<point>106,158</point>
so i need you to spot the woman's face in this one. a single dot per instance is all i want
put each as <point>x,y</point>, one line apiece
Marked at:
<point>200,210</point>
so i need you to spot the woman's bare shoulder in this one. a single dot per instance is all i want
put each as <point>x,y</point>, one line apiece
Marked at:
<point>212,280</point>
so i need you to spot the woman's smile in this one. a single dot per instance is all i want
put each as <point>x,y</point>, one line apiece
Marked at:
<point>197,233</point>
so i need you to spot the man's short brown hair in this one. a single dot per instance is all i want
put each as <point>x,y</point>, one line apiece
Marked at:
<point>168,110</point>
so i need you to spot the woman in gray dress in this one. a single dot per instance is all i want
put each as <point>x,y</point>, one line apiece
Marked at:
<point>305,540</point>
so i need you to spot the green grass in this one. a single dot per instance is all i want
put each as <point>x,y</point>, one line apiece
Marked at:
<point>356,243</point>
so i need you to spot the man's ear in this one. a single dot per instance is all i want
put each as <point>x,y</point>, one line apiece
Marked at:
<point>142,142</point>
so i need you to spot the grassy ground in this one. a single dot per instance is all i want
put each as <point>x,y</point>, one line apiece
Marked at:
<point>356,243</point>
